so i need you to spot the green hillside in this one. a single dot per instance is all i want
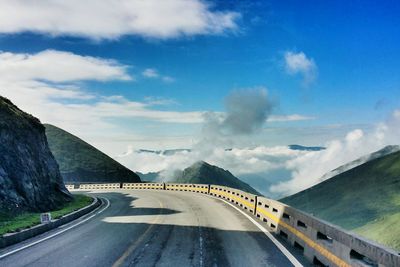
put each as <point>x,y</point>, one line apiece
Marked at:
<point>81,162</point>
<point>365,199</point>
<point>203,173</point>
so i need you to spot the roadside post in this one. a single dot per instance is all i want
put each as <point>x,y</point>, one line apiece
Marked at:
<point>45,217</point>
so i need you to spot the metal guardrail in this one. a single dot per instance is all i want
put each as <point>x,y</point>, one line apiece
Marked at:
<point>322,243</point>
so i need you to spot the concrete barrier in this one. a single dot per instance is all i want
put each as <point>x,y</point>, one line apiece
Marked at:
<point>322,243</point>
<point>100,186</point>
<point>196,188</point>
<point>158,186</point>
<point>69,186</point>
<point>13,238</point>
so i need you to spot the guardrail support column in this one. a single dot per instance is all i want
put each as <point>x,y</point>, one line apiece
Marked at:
<point>255,205</point>
<point>208,189</point>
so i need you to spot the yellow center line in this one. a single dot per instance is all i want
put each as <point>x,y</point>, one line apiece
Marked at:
<point>321,249</point>
<point>138,241</point>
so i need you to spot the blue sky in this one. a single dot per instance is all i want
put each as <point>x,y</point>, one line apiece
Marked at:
<point>353,80</point>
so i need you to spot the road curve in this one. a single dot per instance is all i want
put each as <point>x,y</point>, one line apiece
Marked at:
<point>155,228</point>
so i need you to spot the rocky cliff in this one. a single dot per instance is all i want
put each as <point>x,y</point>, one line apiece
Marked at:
<point>29,174</point>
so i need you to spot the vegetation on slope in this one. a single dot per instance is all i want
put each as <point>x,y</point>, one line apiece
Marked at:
<point>10,224</point>
<point>364,199</point>
<point>81,162</point>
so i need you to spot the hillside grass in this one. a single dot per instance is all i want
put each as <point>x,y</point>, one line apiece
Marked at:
<point>9,224</point>
<point>81,162</point>
<point>72,153</point>
<point>384,230</point>
<point>365,199</point>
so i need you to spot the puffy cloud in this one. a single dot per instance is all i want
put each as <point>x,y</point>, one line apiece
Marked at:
<point>52,80</point>
<point>275,171</point>
<point>59,66</point>
<point>247,110</point>
<point>150,73</point>
<point>107,19</point>
<point>240,161</point>
<point>296,63</point>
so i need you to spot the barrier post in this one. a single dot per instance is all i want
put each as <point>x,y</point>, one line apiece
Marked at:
<point>164,187</point>
<point>208,189</point>
<point>255,205</point>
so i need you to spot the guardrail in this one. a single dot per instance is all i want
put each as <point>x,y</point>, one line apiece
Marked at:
<point>322,243</point>
<point>13,238</point>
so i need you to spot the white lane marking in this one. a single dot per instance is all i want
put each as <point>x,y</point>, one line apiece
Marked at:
<point>286,252</point>
<point>201,246</point>
<point>55,234</point>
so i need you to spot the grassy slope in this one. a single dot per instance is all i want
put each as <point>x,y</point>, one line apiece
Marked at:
<point>77,158</point>
<point>10,224</point>
<point>365,199</point>
<point>204,173</point>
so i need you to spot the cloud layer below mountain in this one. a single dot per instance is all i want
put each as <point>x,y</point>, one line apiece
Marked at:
<point>275,171</point>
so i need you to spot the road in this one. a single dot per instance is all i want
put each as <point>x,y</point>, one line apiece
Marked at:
<point>154,228</point>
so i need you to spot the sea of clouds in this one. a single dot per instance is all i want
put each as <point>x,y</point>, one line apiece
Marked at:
<point>274,171</point>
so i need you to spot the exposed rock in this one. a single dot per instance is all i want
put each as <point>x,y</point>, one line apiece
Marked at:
<point>29,174</point>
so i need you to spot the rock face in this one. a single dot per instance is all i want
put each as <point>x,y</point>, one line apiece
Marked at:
<point>82,163</point>
<point>29,174</point>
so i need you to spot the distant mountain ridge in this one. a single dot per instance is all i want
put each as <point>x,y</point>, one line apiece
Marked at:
<point>306,148</point>
<point>203,173</point>
<point>378,154</point>
<point>164,152</point>
<point>81,162</point>
<point>178,150</point>
<point>364,199</point>
<point>149,177</point>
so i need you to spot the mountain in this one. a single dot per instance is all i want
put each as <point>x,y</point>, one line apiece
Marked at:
<point>167,152</point>
<point>364,199</point>
<point>203,173</point>
<point>306,148</point>
<point>29,176</point>
<point>149,177</point>
<point>378,154</point>
<point>81,162</point>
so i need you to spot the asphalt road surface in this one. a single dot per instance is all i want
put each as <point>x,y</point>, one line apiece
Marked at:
<point>153,228</point>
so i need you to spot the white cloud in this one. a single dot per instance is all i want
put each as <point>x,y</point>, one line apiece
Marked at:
<point>150,73</point>
<point>291,117</point>
<point>168,79</point>
<point>59,66</point>
<point>309,169</point>
<point>296,63</point>
<point>239,161</point>
<point>276,171</point>
<point>52,81</point>
<point>107,19</point>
